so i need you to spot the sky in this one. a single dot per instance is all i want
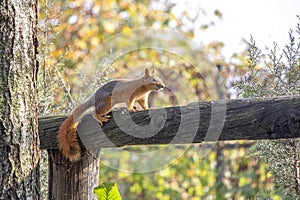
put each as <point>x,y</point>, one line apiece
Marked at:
<point>266,20</point>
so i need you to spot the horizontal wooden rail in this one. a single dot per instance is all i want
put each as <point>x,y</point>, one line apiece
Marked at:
<point>242,119</point>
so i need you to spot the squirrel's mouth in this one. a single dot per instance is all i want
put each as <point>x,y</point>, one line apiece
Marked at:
<point>160,87</point>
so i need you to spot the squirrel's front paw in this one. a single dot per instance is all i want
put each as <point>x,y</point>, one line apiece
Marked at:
<point>134,109</point>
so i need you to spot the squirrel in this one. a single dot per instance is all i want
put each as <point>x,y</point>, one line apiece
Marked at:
<point>111,93</point>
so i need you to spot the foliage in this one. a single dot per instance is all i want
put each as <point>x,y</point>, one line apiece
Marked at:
<point>276,74</point>
<point>107,191</point>
<point>194,175</point>
<point>75,28</point>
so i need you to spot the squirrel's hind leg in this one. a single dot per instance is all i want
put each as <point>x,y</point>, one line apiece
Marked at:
<point>103,107</point>
<point>101,118</point>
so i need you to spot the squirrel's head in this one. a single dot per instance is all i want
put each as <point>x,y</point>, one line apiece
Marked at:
<point>151,82</point>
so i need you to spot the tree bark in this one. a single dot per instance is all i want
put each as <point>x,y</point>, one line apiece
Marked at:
<point>19,141</point>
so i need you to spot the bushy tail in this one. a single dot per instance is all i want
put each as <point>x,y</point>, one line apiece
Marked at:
<point>67,136</point>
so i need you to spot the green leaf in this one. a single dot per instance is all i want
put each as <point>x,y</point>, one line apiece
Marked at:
<point>107,191</point>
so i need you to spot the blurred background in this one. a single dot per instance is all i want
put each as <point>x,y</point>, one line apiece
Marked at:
<point>203,50</point>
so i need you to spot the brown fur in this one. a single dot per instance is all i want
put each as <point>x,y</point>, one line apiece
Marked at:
<point>68,140</point>
<point>118,91</point>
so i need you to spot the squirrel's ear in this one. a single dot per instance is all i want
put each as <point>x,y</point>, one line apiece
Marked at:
<point>153,71</point>
<point>147,73</point>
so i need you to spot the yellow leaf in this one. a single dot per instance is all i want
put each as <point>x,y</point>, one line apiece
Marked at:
<point>109,27</point>
<point>126,29</point>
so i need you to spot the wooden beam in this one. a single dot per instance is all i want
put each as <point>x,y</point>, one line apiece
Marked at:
<point>242,119</point>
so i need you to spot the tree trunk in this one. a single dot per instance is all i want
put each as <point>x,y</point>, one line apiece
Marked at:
<point>19,141</point>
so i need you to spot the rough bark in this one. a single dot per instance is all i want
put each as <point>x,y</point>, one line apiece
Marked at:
<point>19,141</point>
<point>245,119</point>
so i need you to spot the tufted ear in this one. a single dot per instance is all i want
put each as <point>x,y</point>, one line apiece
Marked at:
<point>147,73</point>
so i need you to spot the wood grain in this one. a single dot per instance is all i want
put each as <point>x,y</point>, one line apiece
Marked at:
<point>242,119</point>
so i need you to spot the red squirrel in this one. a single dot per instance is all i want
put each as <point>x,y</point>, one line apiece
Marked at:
<point>111,93</point>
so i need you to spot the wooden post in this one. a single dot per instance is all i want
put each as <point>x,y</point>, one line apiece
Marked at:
<point>72,180</point>
<point>68,180</point>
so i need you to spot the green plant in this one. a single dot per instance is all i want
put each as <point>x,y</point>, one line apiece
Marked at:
<point>107,191</point>
<point>276,74</point>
